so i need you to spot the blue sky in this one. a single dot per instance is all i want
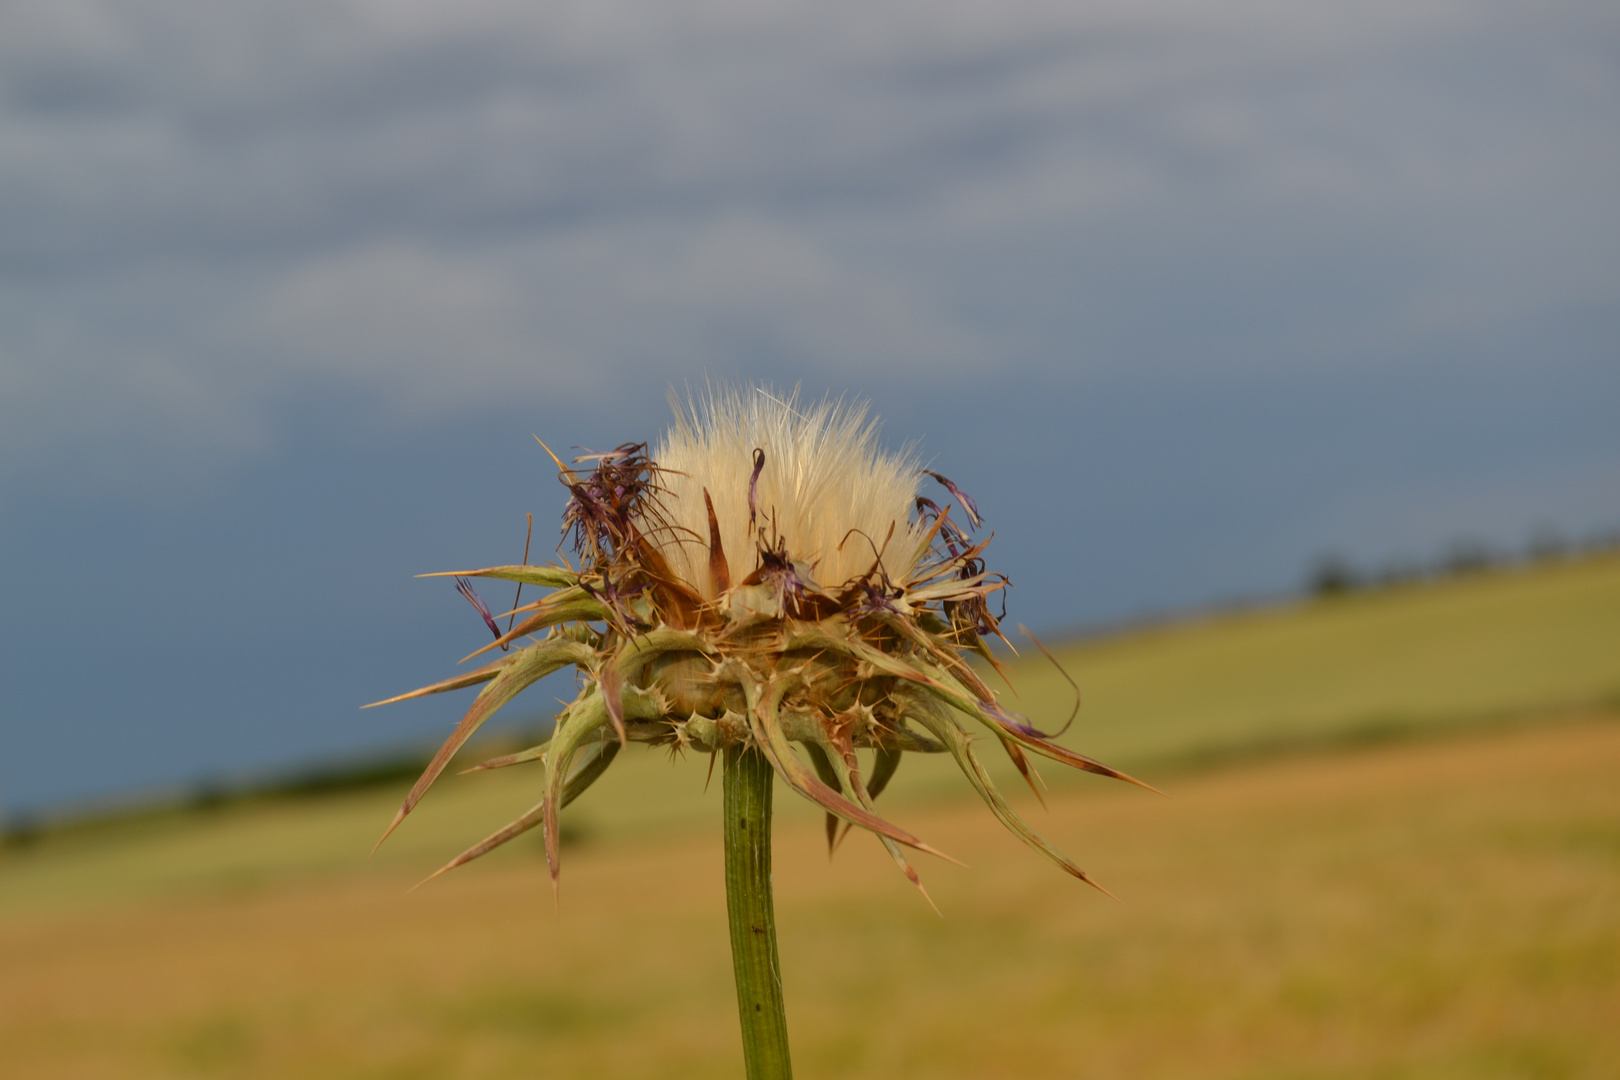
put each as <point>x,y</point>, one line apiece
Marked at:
<point>1185,294</point>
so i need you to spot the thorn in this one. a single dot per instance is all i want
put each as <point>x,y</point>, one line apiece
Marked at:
<point>1087,878</point>
<point>392,825</point>
<point>560,466</point>
<point>934,851</point>
<point>445,869</point>
<point>918,882</point>
<point>1129,779</point>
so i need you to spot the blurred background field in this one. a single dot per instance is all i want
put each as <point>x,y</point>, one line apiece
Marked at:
<point>1391,849</point>
<point>1199,302</point>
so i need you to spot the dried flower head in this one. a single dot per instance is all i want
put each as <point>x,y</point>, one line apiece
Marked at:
<point>769,575</point>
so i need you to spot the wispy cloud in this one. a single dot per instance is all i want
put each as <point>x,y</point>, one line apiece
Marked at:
<point>203,210</point>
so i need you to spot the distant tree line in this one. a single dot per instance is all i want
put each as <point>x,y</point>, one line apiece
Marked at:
<point>1332,574</point>
<point>387,767</point>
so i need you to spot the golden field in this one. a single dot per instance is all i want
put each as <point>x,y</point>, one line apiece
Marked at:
<point>1366,905</point>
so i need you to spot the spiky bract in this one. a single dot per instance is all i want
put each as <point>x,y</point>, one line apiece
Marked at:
<point>769,577</point>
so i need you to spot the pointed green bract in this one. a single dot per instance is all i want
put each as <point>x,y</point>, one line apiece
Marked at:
<point>829,776</point>
<point>960,746</point>
<point>602,755</point>
<point>884,767</point>
<point>548,577</point>
<point>764,714</point>
<point>533,753</point>
<point>526,668</point>
<point>842,763</point>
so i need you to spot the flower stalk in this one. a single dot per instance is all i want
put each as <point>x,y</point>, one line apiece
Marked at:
<point>749,908</point>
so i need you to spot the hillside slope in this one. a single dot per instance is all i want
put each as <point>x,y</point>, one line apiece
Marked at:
<point>1482,647</point>
<point>1509,644</point>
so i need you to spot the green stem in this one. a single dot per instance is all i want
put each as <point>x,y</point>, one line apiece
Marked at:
<point>747,798</point>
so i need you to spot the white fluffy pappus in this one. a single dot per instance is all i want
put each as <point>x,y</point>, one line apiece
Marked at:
<point>828,489</point>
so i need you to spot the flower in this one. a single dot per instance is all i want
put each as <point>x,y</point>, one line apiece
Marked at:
<point>768,576</point>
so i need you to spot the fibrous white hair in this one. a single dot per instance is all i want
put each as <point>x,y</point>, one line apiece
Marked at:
<point>828,489</point>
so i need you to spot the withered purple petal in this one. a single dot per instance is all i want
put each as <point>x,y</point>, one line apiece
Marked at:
<point>969,507</point>
<point>464,587</point>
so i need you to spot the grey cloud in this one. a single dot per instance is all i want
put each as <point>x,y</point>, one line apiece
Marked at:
<point>247,126</point>
<point>205,208</point>
<point>574,314</point>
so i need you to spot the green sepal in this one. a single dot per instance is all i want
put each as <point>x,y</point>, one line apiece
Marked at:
<point>956,740</point>
<point>763,715</point>
<point>584,717</point>
<point>848,776</point>
<point>824,769</point>
<point>883,769</point>
<point>547,577</point>
<point>532,753</point>
<point>455,682</point>
<point>925,675</point>
<point>527,666</point>
<point>584,777</point>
